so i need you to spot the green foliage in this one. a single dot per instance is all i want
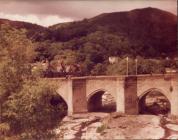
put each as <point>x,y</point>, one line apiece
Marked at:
<point>92,53</point>
<point>144,66</point>
<point>4,128</point>
<point>47,50</point>
<point>101,128</point>
<point>31,109</point>
<point>99,69</point>
<point>120,68</point>
<point>16,55</point>
<point>25,98</point>
<point>25,101</point>
<point>67,56</point>
<point>90,42</point>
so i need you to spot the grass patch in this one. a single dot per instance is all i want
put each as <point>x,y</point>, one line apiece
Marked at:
<point>101,128</point>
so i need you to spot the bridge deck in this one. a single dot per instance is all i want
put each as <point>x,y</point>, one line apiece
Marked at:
<point>116,76</point>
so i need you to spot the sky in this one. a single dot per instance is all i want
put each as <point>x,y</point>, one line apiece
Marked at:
<point>50,12</point>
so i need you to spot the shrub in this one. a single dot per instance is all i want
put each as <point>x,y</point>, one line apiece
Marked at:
<point>4,128</point>
<point>101,128</point>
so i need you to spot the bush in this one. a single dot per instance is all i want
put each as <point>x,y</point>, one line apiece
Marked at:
<point>4,128</point>
<point>30,112</point>
<point>101,128</point>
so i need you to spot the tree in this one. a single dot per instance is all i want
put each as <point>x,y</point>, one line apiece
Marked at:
<point>99,69</point>
<point>120,68</point>
<point>149,66</point>
<point>16,55</point>
<point>144,66</point>
<point>24,97</point>
<point>13,57</point>
<point>30,113</point>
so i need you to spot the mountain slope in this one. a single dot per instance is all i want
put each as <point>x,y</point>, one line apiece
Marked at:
<point>152,26</point>
<point>155,29</point>
<point>150,31</point>
<point>34,31</point>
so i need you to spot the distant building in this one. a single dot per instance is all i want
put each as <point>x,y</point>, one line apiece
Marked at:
<point>45,65</point>
<point>176,58</point>
<point>113,59</point>
<point>170,70</point>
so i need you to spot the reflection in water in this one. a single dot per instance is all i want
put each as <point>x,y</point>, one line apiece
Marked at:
<point>155,103</point>
<point>101,102</point>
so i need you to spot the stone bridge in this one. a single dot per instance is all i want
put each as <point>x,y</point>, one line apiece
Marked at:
<point>126,90</point>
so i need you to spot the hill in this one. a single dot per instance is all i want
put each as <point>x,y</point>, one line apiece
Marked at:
<point>34,32</point>
<point>153,28</point>
<point>148,29</point>
<point>86,45</point>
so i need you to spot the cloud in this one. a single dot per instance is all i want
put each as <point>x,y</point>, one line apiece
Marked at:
<point>37,19</point>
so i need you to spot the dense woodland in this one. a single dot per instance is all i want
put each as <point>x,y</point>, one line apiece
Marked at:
<point>144,34</point>
<point>148,35</point>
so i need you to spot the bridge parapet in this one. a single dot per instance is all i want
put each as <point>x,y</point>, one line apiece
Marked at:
<point>174,76</point>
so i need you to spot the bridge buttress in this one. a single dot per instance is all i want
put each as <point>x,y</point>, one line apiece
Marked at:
<point>131,103</point>
<point>79,96</point>
<point>120,97</point>
<point>174,98</point>
<point>70,97</point>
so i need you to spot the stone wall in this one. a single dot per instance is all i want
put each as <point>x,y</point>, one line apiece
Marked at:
<point>125,90</point>
<point>79,96</point>
<point>131,106</point>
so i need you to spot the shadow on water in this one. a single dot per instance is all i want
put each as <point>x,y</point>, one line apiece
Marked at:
<point>155,109</point>
<point>101,101</point>
<point>106,108</point>
<point>154,103</point>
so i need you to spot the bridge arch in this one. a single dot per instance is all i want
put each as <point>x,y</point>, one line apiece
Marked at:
<point>101,101</point>
<point>154,101</point>
<point>94,92</point>
<point>63,98</point>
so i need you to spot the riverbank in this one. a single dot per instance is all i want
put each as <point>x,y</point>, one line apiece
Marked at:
<point>117,126</point>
